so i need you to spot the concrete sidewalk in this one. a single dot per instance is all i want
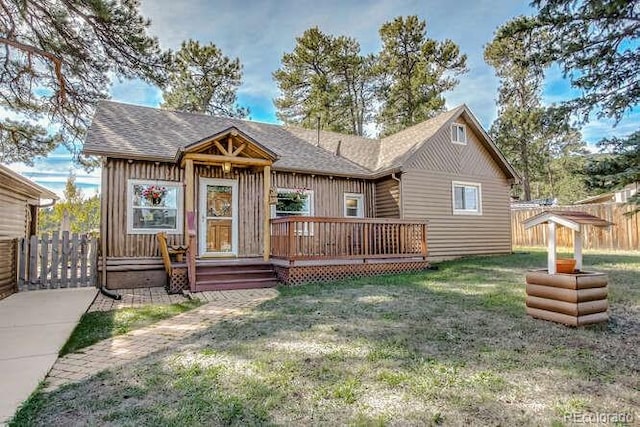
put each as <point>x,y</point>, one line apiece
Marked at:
<point>34,326</point>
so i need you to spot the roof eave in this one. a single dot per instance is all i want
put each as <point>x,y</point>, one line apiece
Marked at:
<point>40,191</point>
<point>503,160</point>
<point>230,130</point>
<point>321,172</point>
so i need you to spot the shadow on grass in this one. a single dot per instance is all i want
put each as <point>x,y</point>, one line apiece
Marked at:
<point>100,325</point>
<point>450,344</point>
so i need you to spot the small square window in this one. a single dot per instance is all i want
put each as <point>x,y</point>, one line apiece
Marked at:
<point>458,133</point>
<point>467,198</point>
<point>353,205</point>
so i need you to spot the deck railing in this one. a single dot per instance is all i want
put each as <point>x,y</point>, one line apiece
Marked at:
<point>313,238</point>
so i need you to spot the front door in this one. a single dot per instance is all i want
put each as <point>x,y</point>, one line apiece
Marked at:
<point>218,213</point>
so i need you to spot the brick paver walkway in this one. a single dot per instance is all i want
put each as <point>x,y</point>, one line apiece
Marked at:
<point>135,298</point>
<point>142,342</point>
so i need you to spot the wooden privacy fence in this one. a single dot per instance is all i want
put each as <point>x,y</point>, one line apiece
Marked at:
<point>623,235</point>
<point>57,261</point>
<point>303,237</point>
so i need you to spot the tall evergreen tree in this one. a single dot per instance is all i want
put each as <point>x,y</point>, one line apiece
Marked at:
<point>596,44</point>
<point>325,79</point>
<point>414,71</point>
<point>202,79</point>
<point>519,110</point>
<point>533,137</point>
<point>619,167</point>
<point>56,60</point>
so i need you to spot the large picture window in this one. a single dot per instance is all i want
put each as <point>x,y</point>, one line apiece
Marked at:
<point>154,206</point>
<point>295,202</point>
<point>292,202</point>
<point>467,198</point>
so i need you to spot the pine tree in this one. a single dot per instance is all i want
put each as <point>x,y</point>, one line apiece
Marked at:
<point>414,71</point>
<point>202,79</point>
<point>596,44</point>
<point>534,138</point>
<point>619,166</point>
<point>56,60</point>
<point>325,79</point>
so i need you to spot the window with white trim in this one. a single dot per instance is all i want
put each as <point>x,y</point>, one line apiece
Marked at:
<point>353,205</point>
<point>294,202</point>
<point>458,133</point>
<point>154,206</point>
<point>467,198</point>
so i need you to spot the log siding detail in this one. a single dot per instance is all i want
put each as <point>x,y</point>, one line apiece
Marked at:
<point>328,199</point>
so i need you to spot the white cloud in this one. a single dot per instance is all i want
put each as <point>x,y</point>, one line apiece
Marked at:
<point>52,172</point>
<point>259,32</point>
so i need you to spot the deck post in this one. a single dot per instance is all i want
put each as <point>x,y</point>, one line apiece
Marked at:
<point>266,214</point>
<point>189,191</point>
<point>551,244</point>
<point>577,247</point>
<point>423,242</point>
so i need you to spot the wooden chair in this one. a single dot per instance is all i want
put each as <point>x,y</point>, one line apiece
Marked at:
<point>177,277</point>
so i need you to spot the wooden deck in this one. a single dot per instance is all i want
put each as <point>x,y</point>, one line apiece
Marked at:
<point>315,238</point>
<point>317,249</point>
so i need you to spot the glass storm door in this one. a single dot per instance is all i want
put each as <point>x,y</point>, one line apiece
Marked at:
<point>218,217</point>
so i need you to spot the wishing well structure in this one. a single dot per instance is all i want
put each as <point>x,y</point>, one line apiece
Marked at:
<point>564,293</point>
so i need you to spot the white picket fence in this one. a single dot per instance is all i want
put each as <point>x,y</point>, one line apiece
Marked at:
<point>61,260</point>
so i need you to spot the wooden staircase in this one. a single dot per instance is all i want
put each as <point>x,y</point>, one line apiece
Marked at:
<point>220,275</point>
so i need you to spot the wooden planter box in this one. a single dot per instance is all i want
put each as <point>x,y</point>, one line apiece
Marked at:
<point>574,299</point>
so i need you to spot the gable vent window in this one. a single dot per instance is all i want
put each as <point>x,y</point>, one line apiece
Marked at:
<point>458,134</point>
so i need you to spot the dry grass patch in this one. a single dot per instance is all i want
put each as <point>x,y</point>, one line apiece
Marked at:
<point>449,347</point>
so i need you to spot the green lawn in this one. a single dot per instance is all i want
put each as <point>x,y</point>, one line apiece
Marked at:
<point>99,325</point>
<point>450,347</point>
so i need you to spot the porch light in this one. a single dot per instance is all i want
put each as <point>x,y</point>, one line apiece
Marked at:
<point>226,167</point>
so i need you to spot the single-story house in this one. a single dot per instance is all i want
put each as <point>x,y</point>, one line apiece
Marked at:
<point>20,199</point>
<point>312,205</point>
<point>618,196</point>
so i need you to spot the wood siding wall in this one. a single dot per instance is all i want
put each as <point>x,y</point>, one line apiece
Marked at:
<point>118,172</point>
<point>427,194</point>
<point>387,199</point>
<point>15,222</point>
<point>328,201</point>
<point>328,193</point>
<point>250,205</point>
<point>14,211</point>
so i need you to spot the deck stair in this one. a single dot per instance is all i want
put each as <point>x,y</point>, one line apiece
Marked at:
<point>220,275</point>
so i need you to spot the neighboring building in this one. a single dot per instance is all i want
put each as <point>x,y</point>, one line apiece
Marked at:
<point>535,203</point>
<point>20,199</point>
<point>315,204</point>
<point>618,196</point>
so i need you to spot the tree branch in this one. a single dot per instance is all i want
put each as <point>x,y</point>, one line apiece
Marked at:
<point>57,61</point>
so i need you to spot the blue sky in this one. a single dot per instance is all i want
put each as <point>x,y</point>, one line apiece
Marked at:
<point>259,32</point>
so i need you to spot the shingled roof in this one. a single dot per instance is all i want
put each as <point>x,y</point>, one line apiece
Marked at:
<point>144,133</point>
